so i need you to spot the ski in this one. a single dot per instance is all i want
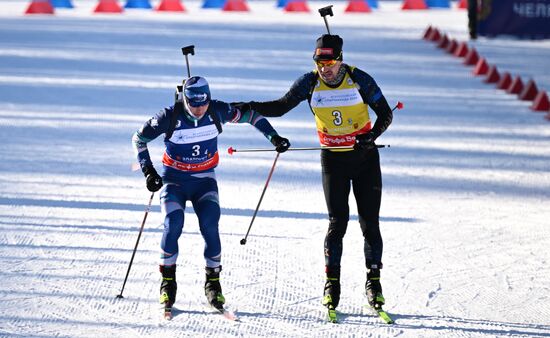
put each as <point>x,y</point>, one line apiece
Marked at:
<point>383,315</point>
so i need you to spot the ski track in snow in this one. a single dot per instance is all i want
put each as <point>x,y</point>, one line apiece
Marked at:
<point>467,180</point>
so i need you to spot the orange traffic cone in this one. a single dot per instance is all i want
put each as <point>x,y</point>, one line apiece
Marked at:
<point>427,32</point>
<point>451,48</point>
<point>296,6</point>
<point>492,75</point>
<point>170,6</point>
<point>414,4</point>
<point>505,81</point>
<point>358,6</point>
<point>40,7</point>
<point>108,6</point>
<point>481,67</point>
<point>235,6</point>
<point>472,57</point>
<point>461,50</point>
<point>516,86</point>
<point>541,102</point>
<point>434,35</point>
<point>443,42</point>
<point>529,92</point>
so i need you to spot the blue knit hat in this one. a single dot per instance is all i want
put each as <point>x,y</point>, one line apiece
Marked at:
<point>196,91</point>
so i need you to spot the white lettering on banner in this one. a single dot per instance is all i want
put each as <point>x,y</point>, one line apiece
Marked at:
<point>331,141</point>
<point>532,10</point>
<point>336,98</point>
<point>186,136</point>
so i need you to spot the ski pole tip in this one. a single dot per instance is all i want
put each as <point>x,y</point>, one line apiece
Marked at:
<point>230,150</point>
<point>243,241</point>
<point>119,296</point>
<point>400,105</point>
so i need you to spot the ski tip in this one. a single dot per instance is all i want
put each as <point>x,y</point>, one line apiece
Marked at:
<point>385,316</point>
<point>230,315</point>
<point>220,309</point>
<point>382,314</point>
<point>167,314</point>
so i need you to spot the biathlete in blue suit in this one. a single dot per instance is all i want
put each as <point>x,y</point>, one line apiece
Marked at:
<point>191,128</point>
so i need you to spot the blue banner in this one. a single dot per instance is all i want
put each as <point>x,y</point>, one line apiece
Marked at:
<point>528,19</point>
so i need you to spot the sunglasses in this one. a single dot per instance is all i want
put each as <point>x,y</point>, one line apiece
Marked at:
<point>325,63</point>
<point>197,100</point>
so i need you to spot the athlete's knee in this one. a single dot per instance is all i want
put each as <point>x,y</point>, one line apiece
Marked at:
<point>337,227</point>
<point>173,223</point>
<point>370,227</point>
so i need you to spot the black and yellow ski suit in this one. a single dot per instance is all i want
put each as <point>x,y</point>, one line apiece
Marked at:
<point>341,112</point>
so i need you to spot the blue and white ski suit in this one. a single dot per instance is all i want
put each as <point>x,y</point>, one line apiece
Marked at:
<point>189,160</point>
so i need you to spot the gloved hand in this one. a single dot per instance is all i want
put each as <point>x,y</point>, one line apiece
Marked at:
<point>364,141</point>
<point>152,179</point>
<point>281,144</point>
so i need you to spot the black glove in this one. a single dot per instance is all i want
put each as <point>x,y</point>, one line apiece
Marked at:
<point>242,106</point>
<point>152,179</point>
<point>364,141</point>
<point>281,144</point>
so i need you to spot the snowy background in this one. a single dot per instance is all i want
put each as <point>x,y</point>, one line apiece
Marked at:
<point>466,202</point>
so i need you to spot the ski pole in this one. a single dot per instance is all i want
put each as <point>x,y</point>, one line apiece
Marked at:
<point>137,242</point>
<point>243,241</point>
<point>324,12</point>
<point>232,150</point>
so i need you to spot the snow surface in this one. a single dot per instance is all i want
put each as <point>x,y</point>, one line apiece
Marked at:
<point>466,203</point>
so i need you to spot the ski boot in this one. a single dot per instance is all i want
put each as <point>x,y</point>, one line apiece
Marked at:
<point>331,295</point>
<point>373,288</point>
<point>168,288</point>
<point>213,289</point>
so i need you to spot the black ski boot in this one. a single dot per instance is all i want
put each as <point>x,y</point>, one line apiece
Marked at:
<point>373,288</point>
<point>168,288</point>
<point>331,294</point>
<point>213,289</point>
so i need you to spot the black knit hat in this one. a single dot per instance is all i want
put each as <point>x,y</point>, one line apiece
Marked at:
<point>328,47</point>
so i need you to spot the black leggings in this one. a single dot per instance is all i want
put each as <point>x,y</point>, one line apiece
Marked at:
<point>360,170</point>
